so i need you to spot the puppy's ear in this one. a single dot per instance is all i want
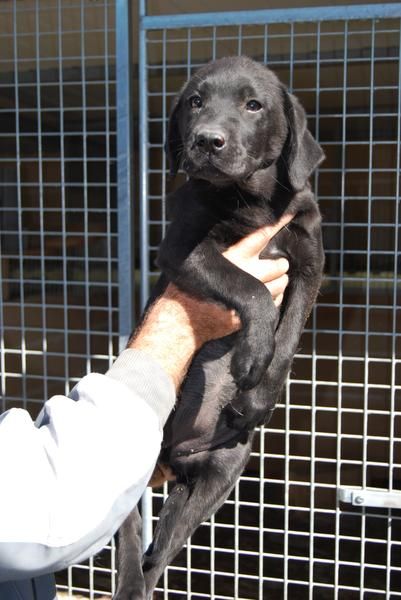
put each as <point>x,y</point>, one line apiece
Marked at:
<point>174,143</point>
<point>302,153</point>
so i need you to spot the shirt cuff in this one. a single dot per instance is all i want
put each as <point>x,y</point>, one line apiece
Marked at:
<point>146,379</point>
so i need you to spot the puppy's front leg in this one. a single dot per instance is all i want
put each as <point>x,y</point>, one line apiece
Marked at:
<point>253,407</point>
<point>207,274</point>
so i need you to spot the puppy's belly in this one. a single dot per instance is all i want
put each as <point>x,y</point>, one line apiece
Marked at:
<point>199,423</point>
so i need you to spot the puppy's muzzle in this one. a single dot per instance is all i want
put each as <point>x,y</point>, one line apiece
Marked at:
<point>210,141</point>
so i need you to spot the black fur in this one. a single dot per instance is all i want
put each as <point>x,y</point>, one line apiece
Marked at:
<point>249,163</point>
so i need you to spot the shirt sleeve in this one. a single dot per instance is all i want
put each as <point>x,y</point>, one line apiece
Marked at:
<point>69,480</point>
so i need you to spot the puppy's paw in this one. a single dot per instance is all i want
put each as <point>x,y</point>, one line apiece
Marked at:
<point>243,414</point>
<point>250,409</point>
<point>250,361</point>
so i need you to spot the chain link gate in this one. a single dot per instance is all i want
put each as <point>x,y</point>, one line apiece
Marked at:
<point>317,511</point>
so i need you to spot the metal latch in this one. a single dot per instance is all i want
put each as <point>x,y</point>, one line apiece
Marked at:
<point>372,498</point>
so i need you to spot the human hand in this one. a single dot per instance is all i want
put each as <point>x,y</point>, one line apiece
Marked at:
<point>177,325</point>
<point>272,272</point>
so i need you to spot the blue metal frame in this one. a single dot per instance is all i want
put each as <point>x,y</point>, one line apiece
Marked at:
<point>146,503</point>
<point>281,15</point>
<point>143,157</point>
<point>124,170</point>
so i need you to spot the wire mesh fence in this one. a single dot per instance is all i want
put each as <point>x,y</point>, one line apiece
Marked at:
<point>58,209</point>
<point>284,533</point>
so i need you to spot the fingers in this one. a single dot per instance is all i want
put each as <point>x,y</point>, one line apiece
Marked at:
<point>278,300</point>
<point>271,272</point>
<point>256,241</point>
<point>269,269</point>
<point>277,288</point>
<point>161,474</point>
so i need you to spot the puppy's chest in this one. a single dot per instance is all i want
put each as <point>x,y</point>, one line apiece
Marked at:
<point>225,217</point>
<point>230,224</point>
<point>228,229</point>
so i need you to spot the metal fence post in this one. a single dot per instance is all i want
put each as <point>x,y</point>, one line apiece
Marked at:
<point>144,225</point>
<point>124,170</point>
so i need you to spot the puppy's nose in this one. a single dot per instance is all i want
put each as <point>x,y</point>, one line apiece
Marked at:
<point>210,141</point>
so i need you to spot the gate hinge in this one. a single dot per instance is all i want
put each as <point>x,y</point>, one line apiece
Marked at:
<point>371,498</point>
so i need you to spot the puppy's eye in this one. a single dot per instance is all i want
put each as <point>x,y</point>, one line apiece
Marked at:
<point>195,101</point>
<point>253,106</point>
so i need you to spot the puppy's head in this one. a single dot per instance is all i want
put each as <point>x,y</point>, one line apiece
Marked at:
<point>234,119</point>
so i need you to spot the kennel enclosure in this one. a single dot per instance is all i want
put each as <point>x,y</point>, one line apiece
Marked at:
<point>83,205</point>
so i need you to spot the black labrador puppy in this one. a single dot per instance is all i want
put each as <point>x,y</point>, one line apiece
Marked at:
<point>243,140</point>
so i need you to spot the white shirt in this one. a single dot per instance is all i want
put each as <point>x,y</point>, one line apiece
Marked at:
<point>69,480</point>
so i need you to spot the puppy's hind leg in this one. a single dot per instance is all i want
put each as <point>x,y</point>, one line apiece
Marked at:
<point>189,504</point>
<point>131,583</point>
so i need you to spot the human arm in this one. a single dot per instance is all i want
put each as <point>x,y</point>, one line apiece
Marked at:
<point>200,321</point>
<point>69,482</point>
